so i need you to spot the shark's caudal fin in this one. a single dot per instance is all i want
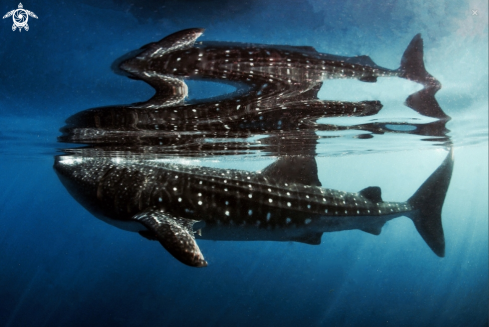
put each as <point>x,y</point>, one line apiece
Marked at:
<point>412,64</point>
<point>424,103</point>
<point>428,202</point>
<point>175,234</point>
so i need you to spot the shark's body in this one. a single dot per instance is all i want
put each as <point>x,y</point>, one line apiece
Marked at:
<point>178,55</point>
<point>279,86</point>
<point>279,81</point>
<point>284,202</point>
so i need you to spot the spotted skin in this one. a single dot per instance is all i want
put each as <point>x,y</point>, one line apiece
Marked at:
<point>179,55</point>
<point>244,114</point>
<point>279,83</point>
<point>277,90</point>
<point>175,234</point>
<point>169,199</point>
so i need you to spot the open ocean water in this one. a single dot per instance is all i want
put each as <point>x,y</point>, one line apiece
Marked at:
<point>60,266</point>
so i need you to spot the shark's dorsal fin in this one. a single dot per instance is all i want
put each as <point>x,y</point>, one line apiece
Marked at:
<point>373,193</point>
<point>176,41</point>
<point>310,238</point>
<point>175,234</point>
<point>294,169</point>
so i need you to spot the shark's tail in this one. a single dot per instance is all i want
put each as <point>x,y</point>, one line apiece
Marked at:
<point>424,102</point>
<point>428,202</point>
<point>412,64</point>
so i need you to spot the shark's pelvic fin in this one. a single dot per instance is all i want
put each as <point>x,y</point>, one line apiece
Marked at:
<point>294,169</point>
<point>428,203</point>
<point>149,235</point>
<point>175,234</point>
<point>412,64</point>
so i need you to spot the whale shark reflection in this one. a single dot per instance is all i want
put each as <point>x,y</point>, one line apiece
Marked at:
<point>277,91</point>
<point>120,177</point>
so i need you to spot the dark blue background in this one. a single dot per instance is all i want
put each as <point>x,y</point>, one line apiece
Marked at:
<point>60,266</point>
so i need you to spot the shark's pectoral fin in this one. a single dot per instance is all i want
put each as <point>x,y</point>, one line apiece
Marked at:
<point>149,235</point>
<point>175,234</point>
<point>373,193</point>
<point>310,238</point>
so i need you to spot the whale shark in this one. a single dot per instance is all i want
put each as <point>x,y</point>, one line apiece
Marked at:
<point>272,80</point>
<point>277,92</point>
<point>179,204</point>
<point>179,55</point>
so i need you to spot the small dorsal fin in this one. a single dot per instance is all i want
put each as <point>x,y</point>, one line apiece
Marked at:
<point>373,193</point>
<point>177,41</point>
<point>175,234</point>
<point>310,238</point>
<point>294,169</point>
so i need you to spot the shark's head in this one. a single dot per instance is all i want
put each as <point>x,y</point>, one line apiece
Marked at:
<point>135,63</point>
<point>83,178</point>
<point>126,65</point>
<point>73,172</point>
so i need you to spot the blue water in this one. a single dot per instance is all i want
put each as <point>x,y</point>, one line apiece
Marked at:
<point>60,266</point>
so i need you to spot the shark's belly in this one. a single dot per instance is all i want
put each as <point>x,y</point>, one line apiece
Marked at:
<point>127,225</point>
<point>370,224</point>
<point>250,233</point>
